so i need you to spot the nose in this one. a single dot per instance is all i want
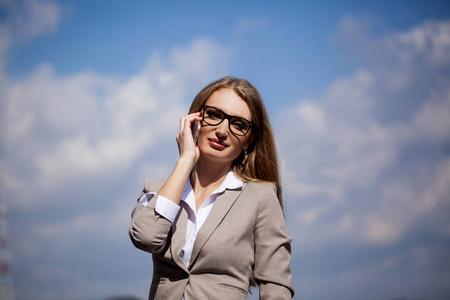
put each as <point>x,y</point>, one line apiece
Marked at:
<point>222,129</point>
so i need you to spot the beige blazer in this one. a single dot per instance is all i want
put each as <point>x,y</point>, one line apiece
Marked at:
<point>245,232</point>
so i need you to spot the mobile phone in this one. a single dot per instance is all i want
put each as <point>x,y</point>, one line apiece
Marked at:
<point>196,130</point>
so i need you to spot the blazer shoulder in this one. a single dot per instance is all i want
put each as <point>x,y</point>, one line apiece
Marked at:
<point>261,187</point>
<point>262,192</point>
<point>153,185</point>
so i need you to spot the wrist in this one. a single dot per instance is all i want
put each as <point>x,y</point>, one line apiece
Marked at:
<point>186,163</point>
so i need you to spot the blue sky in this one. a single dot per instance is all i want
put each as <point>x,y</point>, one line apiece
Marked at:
<point>358,93</point>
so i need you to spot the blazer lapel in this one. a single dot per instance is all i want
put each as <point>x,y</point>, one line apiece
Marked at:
<point>179,237</point>
<point>221,207</point>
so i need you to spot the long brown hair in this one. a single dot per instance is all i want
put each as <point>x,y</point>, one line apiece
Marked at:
<point>260,163</point>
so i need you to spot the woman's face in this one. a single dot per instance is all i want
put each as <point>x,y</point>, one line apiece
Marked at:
<point>218,142</point>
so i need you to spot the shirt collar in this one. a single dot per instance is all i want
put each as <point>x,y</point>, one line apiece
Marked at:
<point>231,182</point>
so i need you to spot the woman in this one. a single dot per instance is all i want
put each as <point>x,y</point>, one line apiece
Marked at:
<point>216,225</point>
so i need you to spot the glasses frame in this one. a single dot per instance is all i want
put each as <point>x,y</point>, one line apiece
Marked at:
<point>228,117</point>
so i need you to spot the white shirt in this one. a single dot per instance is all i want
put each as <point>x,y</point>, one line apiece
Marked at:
<point>196,219</point>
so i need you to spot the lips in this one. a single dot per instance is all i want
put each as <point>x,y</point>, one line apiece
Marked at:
<point>216,144</point>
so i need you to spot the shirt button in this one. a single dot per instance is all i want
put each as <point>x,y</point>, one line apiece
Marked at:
<point>182,253</point>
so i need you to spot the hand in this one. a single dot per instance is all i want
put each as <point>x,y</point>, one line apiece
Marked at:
<point>185,140</point>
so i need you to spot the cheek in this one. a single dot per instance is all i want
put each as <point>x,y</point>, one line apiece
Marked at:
<point>238,146</point>
<point>245,142</point>
<point>202,141</point>
<point>203,132</point>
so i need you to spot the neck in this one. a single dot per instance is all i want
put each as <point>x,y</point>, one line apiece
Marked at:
<point>208,174</point>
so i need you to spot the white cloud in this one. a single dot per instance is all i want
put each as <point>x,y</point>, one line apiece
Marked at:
<point>35,17</point>
<point>357,174</point>
<point>246,26</point>
<point>430,42</point>
<point>110,221</point>
<point>24,20</point>
<point>59,128</point>
<point>85,124</point>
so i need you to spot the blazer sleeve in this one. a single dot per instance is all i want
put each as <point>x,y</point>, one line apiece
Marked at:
<point>149,231</point>
<point>272,249</point>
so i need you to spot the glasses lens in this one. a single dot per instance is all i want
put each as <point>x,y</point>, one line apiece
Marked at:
<point>212,116</point>
<point>239,126</point>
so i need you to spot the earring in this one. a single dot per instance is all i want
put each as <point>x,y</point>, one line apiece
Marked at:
<point>244,160</point>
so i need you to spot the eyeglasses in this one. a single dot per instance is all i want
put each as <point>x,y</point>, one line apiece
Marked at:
<point>214,116</point>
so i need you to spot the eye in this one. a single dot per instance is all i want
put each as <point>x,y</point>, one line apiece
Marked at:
<point>213,114</point>
<point>240,125</point>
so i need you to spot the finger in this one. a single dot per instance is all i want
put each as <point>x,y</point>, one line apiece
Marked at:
<point>181,124</point>
<point>190,119</point>
<point>187,120</point>
<point>195,117</point>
